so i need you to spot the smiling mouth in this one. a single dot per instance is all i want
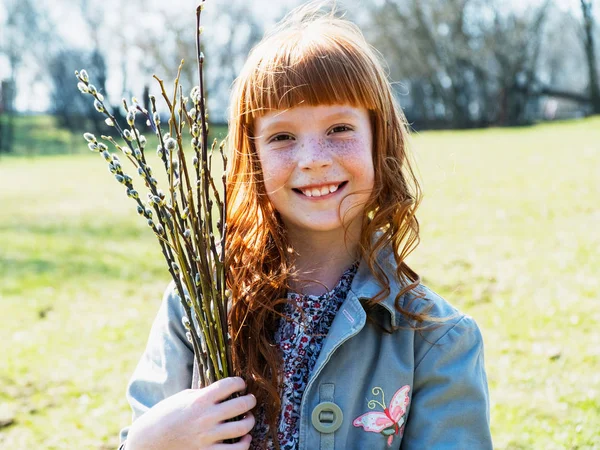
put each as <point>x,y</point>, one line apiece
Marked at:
<point>320,191</point>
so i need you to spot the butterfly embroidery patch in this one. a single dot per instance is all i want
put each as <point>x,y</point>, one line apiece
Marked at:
<point>390,422</point>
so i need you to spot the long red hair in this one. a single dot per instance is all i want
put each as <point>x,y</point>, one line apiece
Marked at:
<point>310,58</point>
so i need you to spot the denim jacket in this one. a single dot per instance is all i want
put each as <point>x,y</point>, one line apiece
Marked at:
<point>370,389</point>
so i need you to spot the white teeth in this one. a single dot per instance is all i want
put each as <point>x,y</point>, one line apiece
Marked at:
<point>318,192</point>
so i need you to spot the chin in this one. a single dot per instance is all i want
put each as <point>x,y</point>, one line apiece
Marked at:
<point>321,226</point>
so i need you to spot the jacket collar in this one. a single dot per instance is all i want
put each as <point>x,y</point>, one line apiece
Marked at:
<point>365,287</point>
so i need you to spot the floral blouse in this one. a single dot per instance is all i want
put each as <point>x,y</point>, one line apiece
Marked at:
<point>300,336</point>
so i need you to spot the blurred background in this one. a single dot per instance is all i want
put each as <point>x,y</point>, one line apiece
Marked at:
<point>504,100</point>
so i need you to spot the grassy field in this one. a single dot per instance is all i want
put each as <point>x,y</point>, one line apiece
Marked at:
<point>510,234</point>
<point>40,134</point>
<point>35,135</point>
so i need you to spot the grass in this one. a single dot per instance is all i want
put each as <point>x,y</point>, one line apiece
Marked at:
<point>510,234</point>
<point>37,135</point>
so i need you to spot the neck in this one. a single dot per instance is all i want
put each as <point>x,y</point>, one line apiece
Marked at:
<point>321,258</point>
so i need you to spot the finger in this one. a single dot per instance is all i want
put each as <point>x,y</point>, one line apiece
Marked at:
<point>242,444</point>
<point>234,407</point>
<point>234,429</point>
<point>223,389</point>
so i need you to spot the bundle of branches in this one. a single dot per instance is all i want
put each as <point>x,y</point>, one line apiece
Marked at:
<point>189,219</point>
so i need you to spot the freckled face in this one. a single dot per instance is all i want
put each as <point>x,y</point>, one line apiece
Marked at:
<point>312,158</point>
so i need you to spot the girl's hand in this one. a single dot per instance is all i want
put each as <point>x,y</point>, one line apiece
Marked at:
<point>195,419</point>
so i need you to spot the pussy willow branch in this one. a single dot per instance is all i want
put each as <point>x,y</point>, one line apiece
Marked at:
<point>204,316</point>
<point>218,258</point>
<point>184,226</point>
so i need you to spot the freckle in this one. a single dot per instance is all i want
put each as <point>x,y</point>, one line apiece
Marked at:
<point>348,149</point>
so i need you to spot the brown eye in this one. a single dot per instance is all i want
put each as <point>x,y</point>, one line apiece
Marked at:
<point>281,137</point>
<point>340,129</point>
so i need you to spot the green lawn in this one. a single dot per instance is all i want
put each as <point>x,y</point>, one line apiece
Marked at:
<point>510,234</point>
<point>35,135</point>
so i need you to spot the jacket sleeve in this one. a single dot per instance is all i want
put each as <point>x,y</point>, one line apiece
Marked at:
<point>450,402</point>
<point>166,365</point>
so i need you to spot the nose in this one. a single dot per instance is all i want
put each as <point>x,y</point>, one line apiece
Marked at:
<point>314,155</point>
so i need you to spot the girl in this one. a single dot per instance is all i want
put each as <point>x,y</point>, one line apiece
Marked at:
<point>338,343</point>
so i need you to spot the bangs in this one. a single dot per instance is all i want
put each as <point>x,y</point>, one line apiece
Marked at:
<point>309,69</point>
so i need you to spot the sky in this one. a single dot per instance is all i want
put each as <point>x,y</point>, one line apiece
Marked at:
<point>73,29</point>
<point>76,33</point>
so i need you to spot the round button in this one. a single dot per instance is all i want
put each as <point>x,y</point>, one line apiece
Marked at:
<point>327,417</point>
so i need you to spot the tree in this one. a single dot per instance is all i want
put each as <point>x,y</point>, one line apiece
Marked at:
<point>26,40</point>
<point>239,30</point>
<point>234,29</point>
<point>465,62</point>
<point>21,16</point>
<point>71,108</point>
<point>590,53</point>
<point>6,116</point>
<point>516,44</point>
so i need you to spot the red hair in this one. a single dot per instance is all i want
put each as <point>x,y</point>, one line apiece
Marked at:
<point>311,58</point>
